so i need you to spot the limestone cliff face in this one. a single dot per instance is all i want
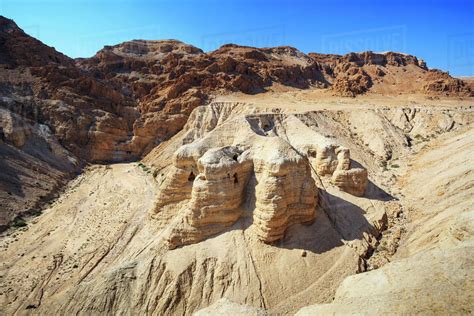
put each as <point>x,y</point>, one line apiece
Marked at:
<point>247,168</point>
<point>285,194</point>
<point>218,189</point>
<point>214,191</point>
<point>33,165</point>
<point>335,161</point>
<point>216,185</point>
<point>122,102</point>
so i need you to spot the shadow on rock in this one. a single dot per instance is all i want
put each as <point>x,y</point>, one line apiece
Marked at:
<point>337,219</point>
<point>374,192</point>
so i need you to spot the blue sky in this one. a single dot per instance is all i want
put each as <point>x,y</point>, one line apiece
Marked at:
<point>441,32</point>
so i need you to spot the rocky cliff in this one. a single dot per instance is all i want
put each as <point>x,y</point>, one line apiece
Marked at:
<point>255,167</point>
<point>431,272</point>
<point>178,232</point>
<point>269,181</point>
<point>120,103</point>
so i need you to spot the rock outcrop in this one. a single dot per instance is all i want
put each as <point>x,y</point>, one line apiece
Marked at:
<point>353,181</point>
<point>214,190</point>
<point>440,83</point>
<point>335,161</point>
<point>33,167</point>
<point>218,190</point>
<point>329,157</point>
<point>216,185</point>
<point>87,115</point>
<point>130,97</point>
<point>119,104</point>
<point>286,193</point>
<point>431,272</point>
<point>352,82</point>
<point>257,173</point>
<point>358,73</point>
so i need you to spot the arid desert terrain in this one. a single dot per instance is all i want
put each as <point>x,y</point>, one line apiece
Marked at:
<point>156,179</point>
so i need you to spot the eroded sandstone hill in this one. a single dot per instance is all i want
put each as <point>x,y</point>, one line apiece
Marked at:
<point>432,272</point>
<point>257,159</point>
<point>119,104</point>
<point>258,187</point>
<point>243,208</point>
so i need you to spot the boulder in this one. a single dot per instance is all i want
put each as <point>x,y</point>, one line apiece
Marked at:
<point>353,181</point>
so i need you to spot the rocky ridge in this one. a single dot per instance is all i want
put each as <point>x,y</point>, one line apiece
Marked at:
<point>235,206</point>
<point>129,266</point>
<point>254,167</point>
<point>129,97</point>
<point>436,251</point>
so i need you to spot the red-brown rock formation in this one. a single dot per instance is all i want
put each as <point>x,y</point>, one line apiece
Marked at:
<point>122,102</point>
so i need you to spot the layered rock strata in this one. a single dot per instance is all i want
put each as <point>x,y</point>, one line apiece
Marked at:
<point>119,104</point>
<point>334,161</point>
<point>286,193</point>
<point>353,181</point>
<point>256,172</point>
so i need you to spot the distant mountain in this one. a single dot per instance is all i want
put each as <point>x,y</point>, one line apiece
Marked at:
<point>122,102</point>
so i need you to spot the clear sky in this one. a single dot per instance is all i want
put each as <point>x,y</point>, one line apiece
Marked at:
<point>440,32</point>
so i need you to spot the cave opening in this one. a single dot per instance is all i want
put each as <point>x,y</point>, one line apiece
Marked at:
<point>191,176</point>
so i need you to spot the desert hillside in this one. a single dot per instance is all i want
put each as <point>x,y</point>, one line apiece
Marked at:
<point>155,178</point>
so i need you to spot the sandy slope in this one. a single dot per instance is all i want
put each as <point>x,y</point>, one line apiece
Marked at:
<point>433,271</point>
<point>97,251</point>
<point>97,216</point>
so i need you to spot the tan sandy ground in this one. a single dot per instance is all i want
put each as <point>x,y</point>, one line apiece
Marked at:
<point>297,100</point>
<point>96,251</point>
<point>433,270</point>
